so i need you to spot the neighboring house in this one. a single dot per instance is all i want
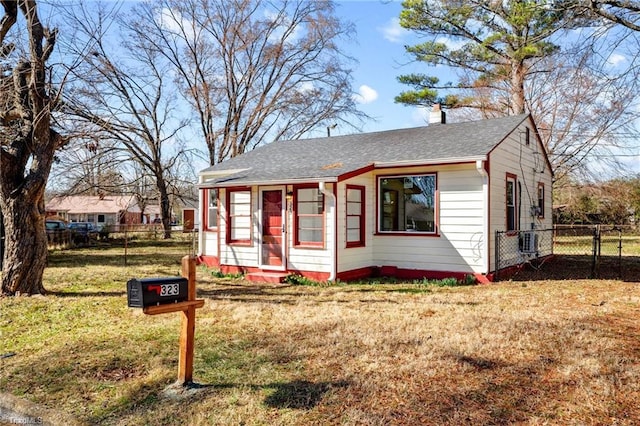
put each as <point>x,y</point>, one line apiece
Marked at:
<point>413,203</point>
<point>100,210</point>
<point>190,217</point>
<point>152,214</point>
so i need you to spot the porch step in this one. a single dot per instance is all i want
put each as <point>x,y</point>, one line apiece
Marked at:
<point>266,277</point>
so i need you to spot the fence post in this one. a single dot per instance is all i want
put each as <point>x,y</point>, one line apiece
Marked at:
<point>497,255</point>
<point>620,253</point>
<point>595,261</point>
<point>188,325</point>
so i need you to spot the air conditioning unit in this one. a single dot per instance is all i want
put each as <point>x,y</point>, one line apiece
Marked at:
<point>528,242</point>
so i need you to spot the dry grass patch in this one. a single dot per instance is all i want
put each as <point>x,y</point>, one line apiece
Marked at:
<point>544,352</point>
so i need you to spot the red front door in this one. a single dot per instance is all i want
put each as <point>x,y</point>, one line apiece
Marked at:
<point>272,229</point>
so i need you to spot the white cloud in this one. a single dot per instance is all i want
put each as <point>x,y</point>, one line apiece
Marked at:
<point>283,28</point>
<point>306,87</point>
<point>392,31</point>
<point>616,59</point>
<point>365,95</point>
<point>173,21</point>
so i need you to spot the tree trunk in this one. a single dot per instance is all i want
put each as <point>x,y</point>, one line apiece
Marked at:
<point>518,97</point>
<point>165,207</point>
<point>25,255</point>
<point>28,144</point>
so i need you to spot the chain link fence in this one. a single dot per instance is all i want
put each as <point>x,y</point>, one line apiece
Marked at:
<point>563,252</point>
<point>590,251</point>
<point>516,248</point>
<point>131,244</point>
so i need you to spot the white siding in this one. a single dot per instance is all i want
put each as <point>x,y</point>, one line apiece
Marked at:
<point>235,254</point>
<point>207,240</point>
<point>314,259</point>
<point>353,258</point>
<point>458,247</point>
<point>527,162</point>
<point>209,243</point>
<point>466,229</point>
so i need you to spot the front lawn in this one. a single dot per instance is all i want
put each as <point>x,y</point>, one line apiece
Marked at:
<point>533,352</point>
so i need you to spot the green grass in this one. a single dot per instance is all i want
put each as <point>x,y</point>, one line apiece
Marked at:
<point>534,352</point>
<point>576,245</point>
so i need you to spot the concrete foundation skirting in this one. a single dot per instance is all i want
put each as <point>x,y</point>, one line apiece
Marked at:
<point>18,411</point>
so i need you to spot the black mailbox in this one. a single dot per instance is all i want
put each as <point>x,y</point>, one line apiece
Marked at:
<point>156,291</point>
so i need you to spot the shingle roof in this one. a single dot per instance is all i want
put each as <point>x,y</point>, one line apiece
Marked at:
<point>331,157</point>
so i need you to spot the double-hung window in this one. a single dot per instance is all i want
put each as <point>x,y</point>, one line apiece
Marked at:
<point>239,216</point>
<point>212,208</point>
<point>407,204</point>
<point>309,217</point>
<point>540,200</point>
<point>511,202</point>
<point>355,216</point>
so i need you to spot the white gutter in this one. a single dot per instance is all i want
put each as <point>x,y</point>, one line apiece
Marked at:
<point>485,212</point>
<point>208,184</point>
<point>215,174</point>
<point>331,196</point>
<point>430,162</point>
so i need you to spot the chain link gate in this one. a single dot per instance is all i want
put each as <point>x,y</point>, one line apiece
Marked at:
<point>595,251</point>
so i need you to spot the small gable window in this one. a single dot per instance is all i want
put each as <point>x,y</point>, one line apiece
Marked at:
<point>407,204</point>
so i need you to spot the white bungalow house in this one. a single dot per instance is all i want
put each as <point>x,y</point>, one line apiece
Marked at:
<point>412,203</point>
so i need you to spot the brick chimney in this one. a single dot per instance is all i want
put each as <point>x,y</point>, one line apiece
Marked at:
<point>437,116</point>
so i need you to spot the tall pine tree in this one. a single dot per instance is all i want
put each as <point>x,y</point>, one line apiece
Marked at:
<point>493,45</point>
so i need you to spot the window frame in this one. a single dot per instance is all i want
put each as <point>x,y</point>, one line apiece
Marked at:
<point>379,200</point>
<point>510,177</point>
<point>541,200</point>
<point>296,218</point>
<point>230,218</point>
<point>361,216</point>
<point>209,208</point>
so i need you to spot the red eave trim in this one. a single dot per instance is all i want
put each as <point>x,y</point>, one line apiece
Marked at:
<point>356,172</point>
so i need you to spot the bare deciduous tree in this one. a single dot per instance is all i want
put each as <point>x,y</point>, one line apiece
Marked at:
<point>585,110</point>
<point>27,144</point>
<point>88,166</point>
<point>123,90</point>
<point>510,58</point>
<point>254,71</point>
<point>621,12</point>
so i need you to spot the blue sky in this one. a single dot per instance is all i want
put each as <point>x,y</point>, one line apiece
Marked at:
<point>382,58</point>
<point>379,46</point>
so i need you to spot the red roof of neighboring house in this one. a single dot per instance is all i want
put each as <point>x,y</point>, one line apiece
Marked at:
<point>77,204</point>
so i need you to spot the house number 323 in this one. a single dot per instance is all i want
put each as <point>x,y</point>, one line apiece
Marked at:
<point>169,290</point>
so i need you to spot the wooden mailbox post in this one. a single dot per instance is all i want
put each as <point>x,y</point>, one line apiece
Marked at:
<point>187,308</point>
